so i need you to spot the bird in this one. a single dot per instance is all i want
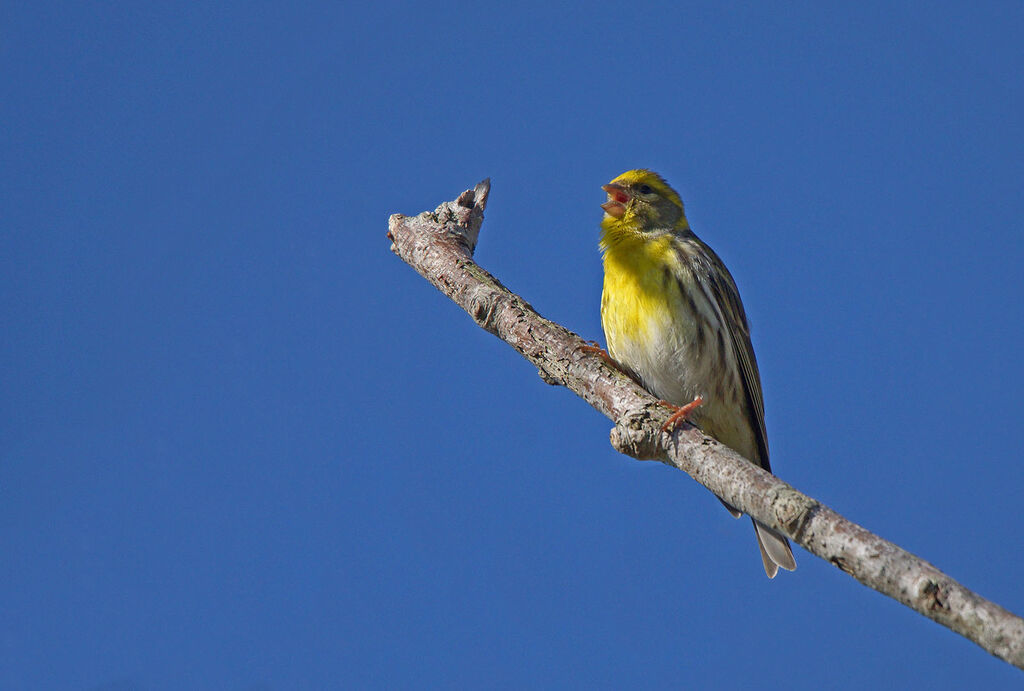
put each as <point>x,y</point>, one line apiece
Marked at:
<point>673,320</point>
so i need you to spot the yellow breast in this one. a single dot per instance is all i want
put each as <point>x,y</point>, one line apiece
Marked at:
<point>637,278</point>
<point>649,326</point>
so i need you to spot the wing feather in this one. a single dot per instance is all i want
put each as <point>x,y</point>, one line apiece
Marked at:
<point>718,284</point>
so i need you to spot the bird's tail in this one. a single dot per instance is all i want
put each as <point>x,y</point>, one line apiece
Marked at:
<point>775,551</point>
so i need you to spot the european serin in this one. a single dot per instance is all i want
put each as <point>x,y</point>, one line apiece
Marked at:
<point>673,319</point>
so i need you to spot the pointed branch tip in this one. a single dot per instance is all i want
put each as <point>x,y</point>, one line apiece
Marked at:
<point>476,197</point>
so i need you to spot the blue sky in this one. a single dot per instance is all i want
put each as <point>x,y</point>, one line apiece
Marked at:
<point>242,446</point>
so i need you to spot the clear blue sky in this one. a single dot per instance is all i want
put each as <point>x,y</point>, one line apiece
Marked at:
<point>242,446</point>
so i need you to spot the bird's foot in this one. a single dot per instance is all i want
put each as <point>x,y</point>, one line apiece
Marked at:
<point>680,414</point>
<point>595,348</point>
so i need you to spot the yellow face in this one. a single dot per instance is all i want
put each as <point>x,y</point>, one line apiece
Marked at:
<point>641,199</point>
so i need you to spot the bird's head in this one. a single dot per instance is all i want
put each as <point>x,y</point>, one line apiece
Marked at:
<point>641,200</point>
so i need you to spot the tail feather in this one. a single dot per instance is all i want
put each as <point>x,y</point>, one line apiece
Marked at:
<point>736,513</point>
<point>775,551</point>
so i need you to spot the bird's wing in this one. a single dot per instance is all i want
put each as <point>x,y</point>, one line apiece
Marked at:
<point>726,296</point>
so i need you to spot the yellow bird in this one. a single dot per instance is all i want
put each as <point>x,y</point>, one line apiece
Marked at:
<point>673,319</point>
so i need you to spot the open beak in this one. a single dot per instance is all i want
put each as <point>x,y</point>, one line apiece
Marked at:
<point>617,200</point>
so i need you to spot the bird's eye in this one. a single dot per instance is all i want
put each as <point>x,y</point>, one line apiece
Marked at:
<point>645,189</point>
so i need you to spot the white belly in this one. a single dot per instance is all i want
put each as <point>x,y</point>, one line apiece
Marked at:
<point>677,359</point>
<point>665,356</point>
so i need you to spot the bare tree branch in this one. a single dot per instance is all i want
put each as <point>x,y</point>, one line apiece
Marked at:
<point>439,245</point>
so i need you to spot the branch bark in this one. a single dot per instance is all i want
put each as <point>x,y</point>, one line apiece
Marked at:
<point>440,244</point>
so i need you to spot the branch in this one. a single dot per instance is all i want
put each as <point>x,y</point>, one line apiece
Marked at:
<point>440,244</point>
